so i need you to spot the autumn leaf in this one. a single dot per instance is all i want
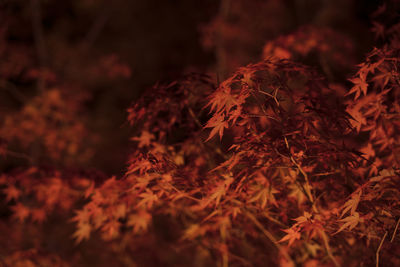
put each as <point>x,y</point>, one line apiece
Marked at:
<point>194,231</point>
<point>292,234</point>
<point>82,216</point>
<point>38,215</point>
<point>360,85</point>
<point>313,248</point>
<point>21,212</point>
<point>110,230</point>
<point>148,199</point>
<point>302,219</point>
<point>120,211</point>
<point>378,29</point>
<point>264,196</point>
<point>139,221</point>
<point>351,204</point>
<point>382,79</point>
<point>350,222</point>
<point>297,194</point>
<point>82,232</point>
<point>222,99</point>
<point>368,151</point>
<point>216,195</point>
<point>235,211</point>
<point>218,124</point>
<point>141,165</point>
<point>358,118</point>
<point>231,162</point>
<point>219,191</point>
<point>90,190</point>
<point>145,139</point>
<point>12,193</point>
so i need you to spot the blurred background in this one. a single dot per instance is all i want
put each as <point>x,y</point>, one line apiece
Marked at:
<point>70,69</point>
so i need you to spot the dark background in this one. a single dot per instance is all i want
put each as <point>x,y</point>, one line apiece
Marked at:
<point>158,41</point>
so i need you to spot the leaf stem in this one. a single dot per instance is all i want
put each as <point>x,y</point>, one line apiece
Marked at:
<point>328,248</point>
<point>379,248</point>
<point>395,230</point>
<point>18,155</point>
<point>307,186</point>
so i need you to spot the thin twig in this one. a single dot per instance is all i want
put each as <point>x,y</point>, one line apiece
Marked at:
<point>196,120</point>
<point>242,260</point>
<point>269,236</point>
<point>260,116</point>
<point>307,183</point>
<point>18,155</point>
<point>292,133</point>
<point>325,173</point>
<point>275,94</point>
<point>328,249</point>
<point>301,187</point>
<point>185,195</point>
<point>280,154</point>
<point>271,96</point>
<point>395,230</point>
<point>379,248</point>
<point>272,219</point>
<point>262,107</point>
<point>265,93</point>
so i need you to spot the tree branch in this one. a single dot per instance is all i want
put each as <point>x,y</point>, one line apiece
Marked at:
<point>379,249</point>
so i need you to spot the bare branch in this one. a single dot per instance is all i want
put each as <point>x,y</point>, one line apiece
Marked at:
<point>395,230</point>
<point>379,248</point>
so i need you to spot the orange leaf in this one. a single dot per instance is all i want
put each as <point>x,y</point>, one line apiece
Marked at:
<point>218,124</point>
<point>359,86</point>
<point>21,212</point>
<point>11,193</point>
<point>82,233</point>
<point>351,204</point>
<point>292,235</point>
<point>139,221</point>
<point>38,215</point>
<point>350,222</point>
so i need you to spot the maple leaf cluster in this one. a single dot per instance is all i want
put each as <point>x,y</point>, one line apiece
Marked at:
<point>288,149</point>
<point>48,121</point>
<point>34,194</point>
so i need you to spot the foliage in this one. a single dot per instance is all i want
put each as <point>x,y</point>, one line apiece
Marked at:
<point>275,165</point>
